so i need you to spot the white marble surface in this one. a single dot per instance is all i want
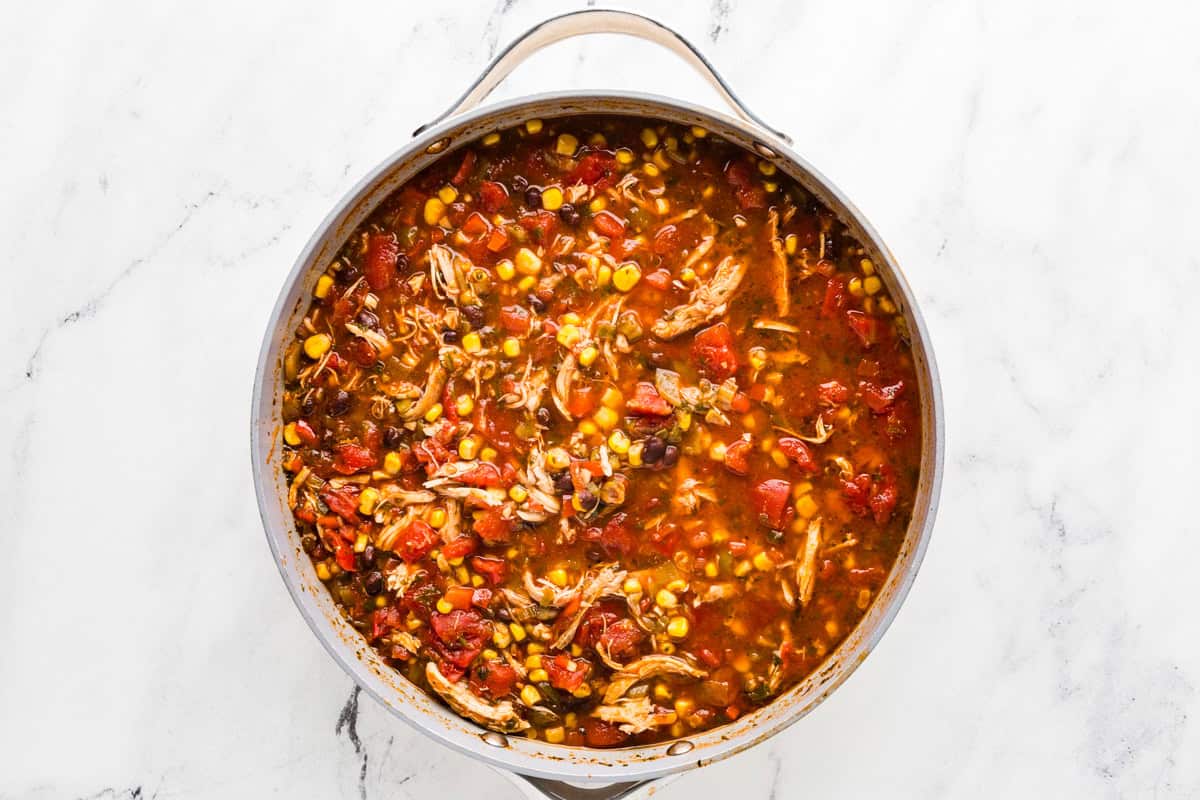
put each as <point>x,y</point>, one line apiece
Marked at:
<point>1033,165</point>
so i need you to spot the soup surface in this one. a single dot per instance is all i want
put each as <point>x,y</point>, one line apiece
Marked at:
<point>602,430</point>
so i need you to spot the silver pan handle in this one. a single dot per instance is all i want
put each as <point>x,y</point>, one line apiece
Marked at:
<point>579,23</point>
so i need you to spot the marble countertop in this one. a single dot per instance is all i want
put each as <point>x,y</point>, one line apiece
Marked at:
<point>1033,165</point>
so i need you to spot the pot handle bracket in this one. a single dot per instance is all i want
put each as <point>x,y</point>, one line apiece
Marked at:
<point>547,789</point>
<point>579,23</point>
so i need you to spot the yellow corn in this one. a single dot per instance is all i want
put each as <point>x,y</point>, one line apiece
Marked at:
<point>392,462</point>
<point>324,284</point>
<point>501,636</point>
<point>443,607</point>
<point>511,347</point>
<point>432,414</point>
<point>488,454</point>
<point>831,628</point>
<point>464,405</point>
<point>555,735</point>
<point>533,662</point>
<point>437,518</point>
<point>790,243</point>
<point>557,458</point>
<point>530,696</point>
<point>867,266</point>
<point>625,156</point>
<point>368,499</point>
<point>662,692</point>
<point>699,132</point>
<point>606,418</point>
<point>649,137</point>
<point>661,206</point>
<point>626,277</point>
<point>518,493</point>
<point>588,355</point>
<point>527,283</point>
<point>434,209</point>
<point>678,627</point>
<point>323,571</point>
<point>872,284</point>
<point>588,428</point>
<point>806,507</point>
<point>472,343</point>
<point>528,262</point>
<point>598,205</point>
<point>743,568</point>
<point>779,458</point>
<point>766,168</point>
<point>533,126</point>
<point>762,562</point>
<point>552,199</point>
<point>887,306</point>
<point>538,676</point>
<point>317,345</point>
<point>468,448</point>
<point>758,357</point>
<point>571,318</point>
<point>517,630</point>
<point>447,194</point>
<point>289,434</point>
<point>491,139</point>
<point>666,598</point>
<point>535,647</point>
<point>566,145</point>
<point>568,335</point>
<point>687,274</point>
<point>612,397</point>
<point>717,452</point>
<point>505,270</point>
<point>712,569</point>
<point>651,170</point>
<point>619,442</point>
<point>631,586</point>
<point>635,454</point>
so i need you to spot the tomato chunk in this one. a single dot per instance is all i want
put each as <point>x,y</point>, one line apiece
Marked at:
<point>343,502</point>
<point>494,569</point>
<point>866,328</point>
<point>382,253</point>
<point>770,501</point>
<point>880,398</point>
<point>598,733</point>
<point>460,547</point>
<point>496,677</point>
<point>493,527</point>
<point>609,224</point>
<point>746,189</point>
<point>647,401</point>
<point>349,458</point>
<point>415,541</point>
<point>832,393</point>
<point>737,457</point>
<point>835,297</point>
<point>565,673</point>
<point>799,453</point>
<point>598,169</point>
<point>493,196</point>
<point>713,348</point>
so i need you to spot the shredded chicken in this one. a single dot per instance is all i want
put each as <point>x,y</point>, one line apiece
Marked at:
<point>648,667</point>
<point>395,495</point>
<point>806,568</point>
<point>400,578</point>
<point>568,371</point>
<point>451,528</point>
<point>635,716</point>
<point>689,494</point>
<point>605,580</point>
<point>708,300</point>
<point>779,265</point>
<point>549,594</point>
<point>433,392</point>
<point>500,716</point>
<point>820,437</point>
<point>447,272</point>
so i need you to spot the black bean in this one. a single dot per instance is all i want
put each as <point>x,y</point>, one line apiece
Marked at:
<point>309,542</point>
<point>562,483</point>
<point>671,456</point>
<point>536,303</point>
<point>368,555</point>
<point>587,500</point>
<point>450,337</point>
<point>568,214</point>
<point>543,416</point>
<point>653,450</point>
<point>308,404</point>
<point>319,553</point>
<point>367,319</point>
<point>392,436</point>
<point>373,583</point>
<point>533,197</point>
<point>519,184</point>
<point>339,404</point>
<point>474,315</point>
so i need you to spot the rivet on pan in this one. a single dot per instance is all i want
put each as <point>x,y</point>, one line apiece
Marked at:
<point>438,146</point>
<point>495,739</point>
<point>764,151</point>
<point>679,748</point>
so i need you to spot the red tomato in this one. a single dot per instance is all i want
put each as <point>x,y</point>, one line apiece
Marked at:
<point>746,189</point>
<point>492,196</point>
<point>464,169</point>
<point>495,676</point>
<point>832,393</point>
<point>565,672</point>
<point>658,279</point>
<point>666,240</point>
<point>307,435</point>
<point>380,266</point>
<point>598,733</point>
<point>835,297</point>
<point>713,348</point>
<point>384,620</point>
<point>770,500</point>
<point>647,401</point>
<point>490,567</point>
<point>597,169</point>
<point>343,502</point>
<point>865,328</point>
<point>542,224</point>
<point>609,224</point>
<point>799,453</point>
<point>880,398</point>
<point>349,458</point>
<point>581,401</point>
<point>476,224</point>
<point>737,457</point>
<point>622,638</point>
<point>493,527</point>
<point>483,474</point>
<point>415,541</point>
<point>614,538</point>
<point>883,501</point>
<point>361,352</point>
<point>497,240</point>
<point>461,547</point>
<point>460,635</point>
<point>514,319</point>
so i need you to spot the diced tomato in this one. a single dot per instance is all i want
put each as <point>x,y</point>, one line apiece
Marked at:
<point>596,620</point>
<point>464,169</point>
<point>349,458</point>
<point>799,453</point>
<point>832,393</point>
<point>542,224</point>
<point>666,240</point>
<point>460,635</point>
<point>740,403</point>
<point>598,169</point>
<point>565,672</point>
<point>866,328</point>
<point>305,514</point>
<point>343,502</point>
<point>476,224</point>
<point>493,527</point>
<point>459,597</point>
<point>857,492</point>
<point>384,620</point>
<point>598,733</point>
<point>646,400</point>
<point>382,252</point>
<point>713,348</point>
<point>460,548</point>
<point>361,352</point>
<point>880,398</point>
<point>343,553</point>
<point>491,568</point>
<point>307,435</point>
<point>497,239</point>
<point>615,538</point>
<point>658,279</point>
<point>746,189</point>
<point>737,457</point>
<point>415,541</point>
<point>883,501</point>
<point>483,474</point>
<point>431,453</point>
<point>497,677</point>
<point>581,401</point>
<point>514,319</point>
<point>835,297</point>
<point>609,224</point>
<point>871,577</point>
<point>492,196</point>
<point>770,500</point>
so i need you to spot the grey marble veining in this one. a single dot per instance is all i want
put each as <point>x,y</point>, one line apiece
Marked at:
<point>1033,165</point>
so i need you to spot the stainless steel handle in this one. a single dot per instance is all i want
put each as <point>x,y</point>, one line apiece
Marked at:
<point>579,23</point>
<point>548,789</point>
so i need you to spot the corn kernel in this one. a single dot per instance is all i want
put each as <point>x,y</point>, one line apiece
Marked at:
<point>771,187</point>
<point>588,355</point>
<point>434,208</point>
<point>766,168</point>
<point>511,347</point>
<point>505,270</point>
<point>566,145</point>
<point>557,459</point>
<point>518,493</point>
<point>661,206</point>
<point>708,191</point>
<point>437,518</point>
<point>552,199</point>
<point>762,561</point>
<point>684,707</point>
<point>802,488</point>
<point>489,654</point>
<point>491,139</point>
<point>867,266</point>
<point>831,628</point>
<point>699,132</point>
<point>461,574</point>
<point>447,194</point>
<point>779,458</point>
<point>433,413</point>
<point>790,243</point>
<point>635,454</point>
<point>625,156</point>
<point>476,581</point>
<point>468,448</point>
<point>488,454</point>
<point>806,507</point>
<point>649,137</point>
<point>533,126</point>
<point>571,318</point>
<point>606,418</point>
<point>584,690</point>
<point>368,499</point>
<point>539,676</point>
<point>712,569</point>
<point>527,283</point>
<point>588,428</point>
<point>864,599</point>
<point>619,442</point>
<point>324,284</point>
<point>577,651</point>
<point>392,463</point>
<point>887,306</point>
<point>317,345</point>
<point>662,692</point>
<point>533,662</point>
<point>666,598</point>
<point>872,285</point>
<point>323,571</point>
<point>855,286</point>
<point>568,335</point>
<point>289,434</point>
<point>743,568</point>
<point>530,696</point>
<point>741,662</point>
<point>612,397</point>
<point>555,735</point>
<point>535,647</point>
<point>464,405</point>
<point>720,535</point>
<point>528,262</point>
<point>678,627</point>
<point>517,630</point>
<point>626,277</point>
<point>687,274</point>
<point>501,636</point>
<point>443,606</point>
<point>717,452</point>
<point>758,357</point>
<point>660,159</point>
<point>667,648</point>
<point>631,586</point>
<point>472,343</point>
<point>651,170</point>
